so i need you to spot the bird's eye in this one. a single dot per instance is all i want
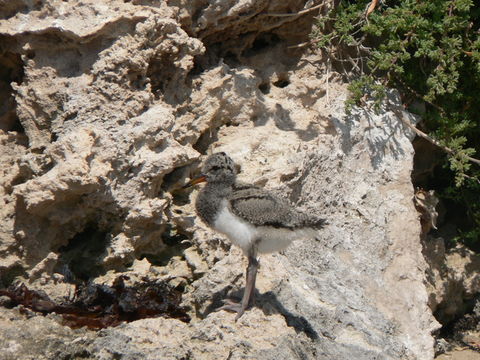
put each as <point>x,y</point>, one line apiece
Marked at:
<point>215,168</point>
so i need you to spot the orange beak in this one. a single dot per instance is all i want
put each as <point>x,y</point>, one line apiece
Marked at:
<point>197,180</point>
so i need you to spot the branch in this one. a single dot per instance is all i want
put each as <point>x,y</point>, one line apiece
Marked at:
<point>401,115</point>
<point>299,13</point>
<point>371,7</point>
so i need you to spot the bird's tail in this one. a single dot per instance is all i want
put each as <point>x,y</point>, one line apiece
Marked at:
<point>319,223</point>
<point>313,226</point>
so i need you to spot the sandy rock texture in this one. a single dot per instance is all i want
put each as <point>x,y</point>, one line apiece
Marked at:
<point>111,107</point>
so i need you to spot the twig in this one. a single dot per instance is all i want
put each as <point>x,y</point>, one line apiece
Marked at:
<point>371,7</point>
<point>300,45</point>
<point>299,13</point>
<point>471,178</point>
<point>328,85</point>
<point>401,115</point>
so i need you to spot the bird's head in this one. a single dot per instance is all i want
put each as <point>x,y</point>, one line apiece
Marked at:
<point>218,168</point>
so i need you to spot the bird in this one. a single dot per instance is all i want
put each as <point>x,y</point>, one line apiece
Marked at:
<point>252,218</point>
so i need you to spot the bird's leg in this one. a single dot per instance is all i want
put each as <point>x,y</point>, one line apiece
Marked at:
<point>254,276</point>
<point>249,285</point>
<point>248,294</point>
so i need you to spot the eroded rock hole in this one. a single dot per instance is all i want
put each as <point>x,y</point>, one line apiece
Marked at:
<point>180,198</point>
<point>281,83</point>
<point>264,41</point>
<point>7,276</point>
<point>171,180</point>
<point>161,72</point>
<point>38,5</point>
<point>11,8</point>
<point>231,59</point>
<point>264,87</point>
<point>199,7</point>
<point>205,140</point>
<point>137,80</point>
<point>80,258</point>
<point>175,246</point>
<point>11,70</point>
<point>198,66</point>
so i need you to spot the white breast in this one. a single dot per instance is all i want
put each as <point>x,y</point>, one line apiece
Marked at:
<point>243,234</point>
<point>240,232</point>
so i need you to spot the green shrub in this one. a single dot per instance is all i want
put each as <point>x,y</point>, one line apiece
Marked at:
<point>430,51</point>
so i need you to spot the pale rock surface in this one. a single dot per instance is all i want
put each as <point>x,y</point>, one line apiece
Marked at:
<point>12,172</point>
<point>135,95</point>
<point>38,337</point>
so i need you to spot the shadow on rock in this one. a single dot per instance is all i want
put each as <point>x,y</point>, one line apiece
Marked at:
<point>266,302</point>
<point>269,304</point>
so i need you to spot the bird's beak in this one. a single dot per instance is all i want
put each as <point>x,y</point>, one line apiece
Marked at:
<point>194,181</point>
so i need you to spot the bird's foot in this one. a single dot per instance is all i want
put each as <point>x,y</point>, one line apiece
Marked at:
<point>230,305</point>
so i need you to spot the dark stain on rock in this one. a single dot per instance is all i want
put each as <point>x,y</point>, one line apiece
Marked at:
<point>100,306</point>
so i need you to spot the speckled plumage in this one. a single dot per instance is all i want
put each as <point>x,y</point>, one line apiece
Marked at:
<point>252,218</point>
<point>255,205</point>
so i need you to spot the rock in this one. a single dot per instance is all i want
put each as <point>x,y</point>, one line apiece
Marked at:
<point>195,261</point>
<point>442,346</point>
<point>453,278</point>
<point>12,147</point>
<point>459,354</point>
<point>39,337</point>
<point>136,95</point>
<point>426,203</point>
<point>5,301</point>
<point>218,336</point>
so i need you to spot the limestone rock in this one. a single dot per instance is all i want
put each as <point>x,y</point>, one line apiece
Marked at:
<point>12,147</point>
<point>38,337</point>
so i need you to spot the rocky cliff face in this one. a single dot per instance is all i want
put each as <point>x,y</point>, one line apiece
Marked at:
<point>110,107</point>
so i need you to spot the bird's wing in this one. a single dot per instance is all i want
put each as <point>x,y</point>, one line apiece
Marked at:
<point>260,207</point>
